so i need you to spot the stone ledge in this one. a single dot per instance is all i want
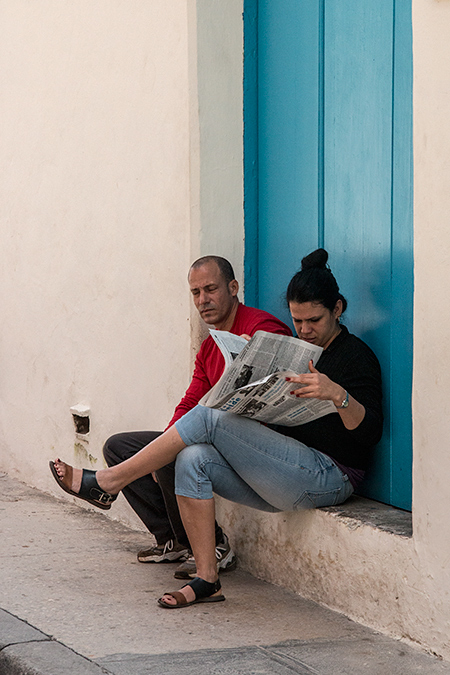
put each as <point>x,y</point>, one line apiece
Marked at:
<point>374,514</point>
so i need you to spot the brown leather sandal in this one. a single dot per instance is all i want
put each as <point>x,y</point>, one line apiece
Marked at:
<point>203,593</point>
<point>90,490</point>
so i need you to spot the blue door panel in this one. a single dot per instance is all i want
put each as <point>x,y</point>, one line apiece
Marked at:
<point>358,177</point>
<point>287,143</point>
<point>358,159</point>
<point>331,145</point>
<point>400,430</point>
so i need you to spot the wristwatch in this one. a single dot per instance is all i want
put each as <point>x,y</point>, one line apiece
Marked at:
<point>344,403</point>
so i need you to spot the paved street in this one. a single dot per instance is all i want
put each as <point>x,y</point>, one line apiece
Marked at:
<point>90,607</point>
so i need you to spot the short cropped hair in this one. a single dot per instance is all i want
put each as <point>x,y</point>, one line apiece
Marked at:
<point>224,266</point>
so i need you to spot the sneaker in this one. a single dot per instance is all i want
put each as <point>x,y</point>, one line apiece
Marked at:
<point>168,552</point>
<point>226,561</point>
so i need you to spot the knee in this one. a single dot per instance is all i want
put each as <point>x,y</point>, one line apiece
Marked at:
<point>191,478</point>
<point>191,456</point>
<point>190,462</point>
<point>113,450</point>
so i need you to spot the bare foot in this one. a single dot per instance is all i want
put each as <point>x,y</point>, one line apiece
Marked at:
<point>186,591</point>
<point>69,476</point>
<point>83,484</point>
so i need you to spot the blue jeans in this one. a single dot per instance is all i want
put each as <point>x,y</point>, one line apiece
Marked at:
<point>248,463</point>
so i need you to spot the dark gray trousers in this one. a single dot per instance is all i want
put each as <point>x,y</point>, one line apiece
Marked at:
<point>154,503</point>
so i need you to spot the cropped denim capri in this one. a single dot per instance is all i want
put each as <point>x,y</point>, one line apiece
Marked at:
<point>248,463</point>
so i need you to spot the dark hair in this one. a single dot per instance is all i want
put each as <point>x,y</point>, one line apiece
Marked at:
<point>315,283</point>
<point>224,266</point>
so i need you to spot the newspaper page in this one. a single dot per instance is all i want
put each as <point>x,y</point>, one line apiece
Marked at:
<point>255,386</point>
<point>229,344</point>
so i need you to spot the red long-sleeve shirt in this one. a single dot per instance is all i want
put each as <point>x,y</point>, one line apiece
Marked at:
<point>209,363</point>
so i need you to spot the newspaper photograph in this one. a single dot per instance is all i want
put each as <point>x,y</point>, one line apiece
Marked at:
<point>254,383</point>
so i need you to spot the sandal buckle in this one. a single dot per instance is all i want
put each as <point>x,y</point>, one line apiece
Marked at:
<point>100,496</point>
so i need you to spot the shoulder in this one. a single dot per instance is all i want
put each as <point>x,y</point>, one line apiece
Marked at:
<point>353,342</point>
<point>250,319</point>
<point>351,348</point>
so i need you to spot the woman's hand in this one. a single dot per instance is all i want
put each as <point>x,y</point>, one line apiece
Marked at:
<point>318,385</point>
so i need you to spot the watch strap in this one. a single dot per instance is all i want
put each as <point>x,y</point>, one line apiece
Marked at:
<point>344,403</point>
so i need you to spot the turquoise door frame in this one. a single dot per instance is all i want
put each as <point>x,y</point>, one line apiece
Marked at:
<point>328,162</point>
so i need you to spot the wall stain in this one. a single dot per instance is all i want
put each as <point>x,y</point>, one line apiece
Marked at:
<point>82,454</point>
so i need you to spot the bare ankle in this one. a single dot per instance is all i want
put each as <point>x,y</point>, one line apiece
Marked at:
<point>106,481</point>
<point>208,574</point>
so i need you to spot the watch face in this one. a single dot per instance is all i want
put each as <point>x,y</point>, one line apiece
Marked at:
<point>344,403</point>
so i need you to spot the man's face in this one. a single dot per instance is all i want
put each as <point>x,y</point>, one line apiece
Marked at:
<point>213,297</point>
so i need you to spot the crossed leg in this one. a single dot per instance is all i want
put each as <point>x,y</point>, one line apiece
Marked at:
<point>197,515</point>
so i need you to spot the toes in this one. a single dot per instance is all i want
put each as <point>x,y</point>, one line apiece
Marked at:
<point>187,591</point>
<point>66,475</point>
<point>169,599</point>
<point>60,468</point>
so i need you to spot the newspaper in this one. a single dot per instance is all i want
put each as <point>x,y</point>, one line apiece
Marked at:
<point>254,380</point>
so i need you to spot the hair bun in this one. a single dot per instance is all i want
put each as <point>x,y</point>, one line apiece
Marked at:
<point>315,260</point>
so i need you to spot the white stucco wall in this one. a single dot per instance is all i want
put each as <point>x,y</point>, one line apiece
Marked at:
<point>216,162</point>
<point>95,222</point>
<point>121,161</point>
<point>431,404</point>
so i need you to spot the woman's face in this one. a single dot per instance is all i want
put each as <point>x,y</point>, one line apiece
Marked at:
<point>315,323</point>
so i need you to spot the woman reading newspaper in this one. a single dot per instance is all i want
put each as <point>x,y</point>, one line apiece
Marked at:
<point>272,469</point>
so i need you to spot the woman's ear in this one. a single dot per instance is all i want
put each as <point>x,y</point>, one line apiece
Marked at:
<point>338,309</point>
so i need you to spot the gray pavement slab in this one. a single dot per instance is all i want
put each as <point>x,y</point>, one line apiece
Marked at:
<point>14,631</point>
<point>24,650</point>
<point>45,658</point>
<point>372,655</point>
<point>243,661</point>
<point>72,573</point>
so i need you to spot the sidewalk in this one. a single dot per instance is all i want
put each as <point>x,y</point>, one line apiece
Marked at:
<point>75,600</point>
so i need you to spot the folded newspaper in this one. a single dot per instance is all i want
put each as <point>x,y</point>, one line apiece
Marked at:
<point>254,380</point>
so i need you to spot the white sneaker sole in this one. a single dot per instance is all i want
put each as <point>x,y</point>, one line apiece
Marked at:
<point>167,557</point>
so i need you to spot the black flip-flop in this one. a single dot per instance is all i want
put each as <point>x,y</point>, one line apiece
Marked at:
<point>203,593</point>
<point>90,490</point>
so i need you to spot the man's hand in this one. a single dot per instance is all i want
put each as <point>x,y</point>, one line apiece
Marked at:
<point>247,337</point>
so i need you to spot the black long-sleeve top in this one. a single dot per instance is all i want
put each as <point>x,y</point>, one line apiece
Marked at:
<point>348,361</point>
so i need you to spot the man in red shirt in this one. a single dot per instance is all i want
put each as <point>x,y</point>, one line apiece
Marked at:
<point>214,291</point>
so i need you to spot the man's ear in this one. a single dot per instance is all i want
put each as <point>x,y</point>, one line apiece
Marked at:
<point>234,287</point>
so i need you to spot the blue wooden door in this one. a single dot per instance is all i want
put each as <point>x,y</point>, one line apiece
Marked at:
<point>328,162</point>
